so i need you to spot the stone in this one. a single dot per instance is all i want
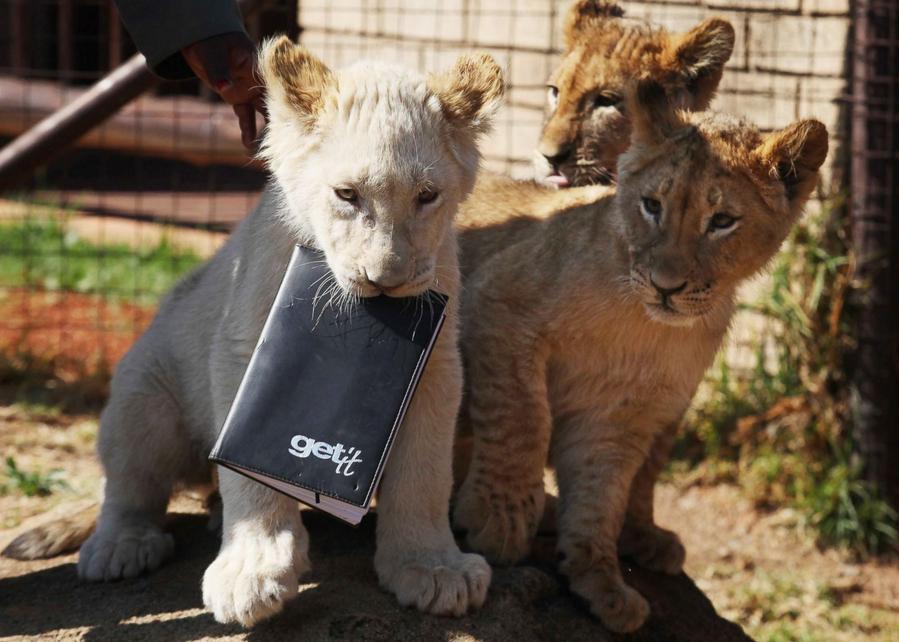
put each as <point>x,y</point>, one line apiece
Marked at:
<point>339,600</point>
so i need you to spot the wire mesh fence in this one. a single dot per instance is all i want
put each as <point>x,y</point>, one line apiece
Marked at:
<point>95,238</point>
<point>92,241</point>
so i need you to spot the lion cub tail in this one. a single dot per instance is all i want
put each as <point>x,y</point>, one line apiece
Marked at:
<point>55,537</point>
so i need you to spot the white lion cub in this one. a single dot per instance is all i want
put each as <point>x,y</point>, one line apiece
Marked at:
<point>370,164</point>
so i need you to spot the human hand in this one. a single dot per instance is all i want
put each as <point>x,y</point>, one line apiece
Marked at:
<point>226,64</point>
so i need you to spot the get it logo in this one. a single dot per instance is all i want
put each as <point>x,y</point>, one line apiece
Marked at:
<point>302,447</point>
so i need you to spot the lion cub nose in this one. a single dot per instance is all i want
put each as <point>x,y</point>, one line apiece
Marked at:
<point>388,279</point>
<point>556,155</point>
<point>665,288</point>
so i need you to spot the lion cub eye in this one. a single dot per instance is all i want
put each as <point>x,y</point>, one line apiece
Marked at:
<point>427,196</point>
<point>721,221</point>
<point>606,100</point>
<point>552,95</point>
<point>651,208</point>
<point>347,194</point>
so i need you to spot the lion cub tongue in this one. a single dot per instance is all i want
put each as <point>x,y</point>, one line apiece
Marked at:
<point>559,180</point>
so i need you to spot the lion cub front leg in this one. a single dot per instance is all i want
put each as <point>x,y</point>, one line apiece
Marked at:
<point>501,501</point>
<point>417,558</point>
<point>650,545</point>
<point>264,543</point>
<point>595,466</point>
<point>264,552</point>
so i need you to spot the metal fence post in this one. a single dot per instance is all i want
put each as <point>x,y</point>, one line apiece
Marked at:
<point>875,232</point>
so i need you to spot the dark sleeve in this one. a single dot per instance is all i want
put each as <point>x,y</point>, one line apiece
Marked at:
<point>161,28</point>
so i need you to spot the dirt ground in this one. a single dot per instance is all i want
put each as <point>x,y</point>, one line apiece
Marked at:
<point>760,569</point>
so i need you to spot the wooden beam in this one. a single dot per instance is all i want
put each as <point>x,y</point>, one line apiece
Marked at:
<point>56,132</point>
<point>181,128</point>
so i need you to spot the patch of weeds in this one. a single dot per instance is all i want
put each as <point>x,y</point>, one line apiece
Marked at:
<point>39,408</point>
<point>849,623</point>
<point>781,607</point>
<point>783,632</point>
<point>860,620</point>
<point>47,254</point>
<point>11,517</point>
<point>847,511</point>
<point>771,598</point>
<point>32,484</point>
<point>86,432</point>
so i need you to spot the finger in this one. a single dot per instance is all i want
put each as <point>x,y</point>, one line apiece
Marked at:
<point>240,92</point>
<point>226,64</point>
<point>260,106</point>
<point>245,86</point>
<point>246,118</point>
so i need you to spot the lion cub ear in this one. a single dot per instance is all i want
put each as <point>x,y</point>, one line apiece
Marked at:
<point>296,81</point>
<point>695,60</point>
<point>470,93</point>
<point>793,156</point>
<point>588,15</point>
<point>653,117</point>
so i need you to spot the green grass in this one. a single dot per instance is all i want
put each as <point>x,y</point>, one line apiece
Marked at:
<point>846,510</point>
<point>31,484</point>
<point>787,607</point>
<point>46,254</point>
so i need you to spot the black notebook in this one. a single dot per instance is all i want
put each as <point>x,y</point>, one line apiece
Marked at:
<point>326,389</point>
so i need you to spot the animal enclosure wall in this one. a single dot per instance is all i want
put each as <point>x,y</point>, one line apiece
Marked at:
<point>789,60</point>
<point>89,245</point>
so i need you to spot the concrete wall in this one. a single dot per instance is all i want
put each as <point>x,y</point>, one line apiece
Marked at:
<point>789,61</point>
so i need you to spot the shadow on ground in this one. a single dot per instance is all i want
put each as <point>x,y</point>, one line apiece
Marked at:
<point>340,602</point>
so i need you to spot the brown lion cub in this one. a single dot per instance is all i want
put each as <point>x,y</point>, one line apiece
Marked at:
<point>585,334</point>
<point>586,127</point>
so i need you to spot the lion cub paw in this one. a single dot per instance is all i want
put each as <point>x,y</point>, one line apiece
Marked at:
<point>654,548</point>
<point>447,584</point>
<point>252,577</point>
<point>501,526</point>
<point>123,552</point>
<point>619,607</point>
